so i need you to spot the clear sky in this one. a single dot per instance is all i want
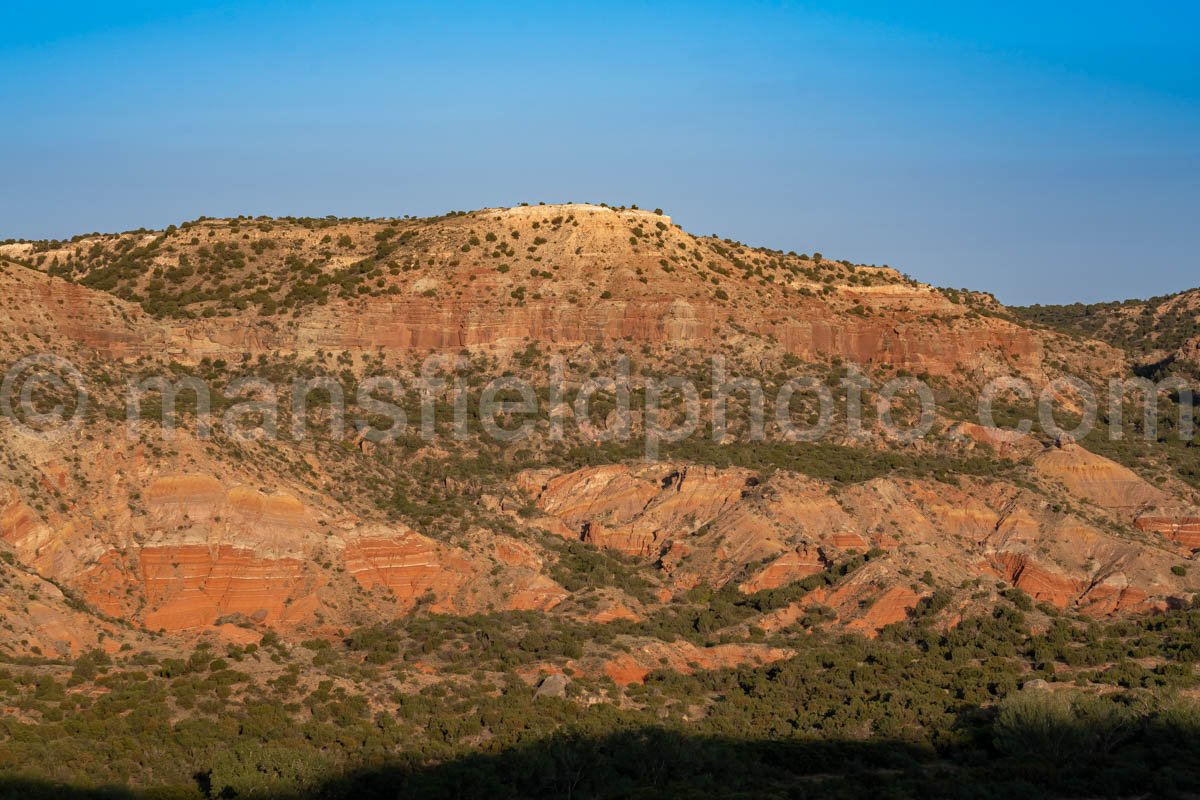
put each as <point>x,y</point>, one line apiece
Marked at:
<point>1048,152</point>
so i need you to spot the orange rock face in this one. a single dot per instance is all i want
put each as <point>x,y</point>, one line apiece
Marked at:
<point>891,605</point>
<point>277,524</point>
<point>788,568</point>
<point>848,540</point>
<point>905,342</point>
<point>17,520</point>
<point>539,593</point>
<point>617,510</point>
<point>190,587</point>
<point>113,585</point>
<point>613,612</point>
<point>413,567</point>
<point>1183,530</point>
<point>784,617</point>
<point>203,551</point>
<point>1098,599</point>
<point>408,565</point>
<point>1010,443</point>
<point>39,621</point>
<point>236,634</point>
<point>866,603</point>
<point>1036,581</point>
<point>415,324</point>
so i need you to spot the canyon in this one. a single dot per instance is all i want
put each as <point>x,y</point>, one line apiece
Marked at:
<point>119,538</point>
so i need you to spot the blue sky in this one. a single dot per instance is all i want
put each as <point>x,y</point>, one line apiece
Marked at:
<point>1046,152</point>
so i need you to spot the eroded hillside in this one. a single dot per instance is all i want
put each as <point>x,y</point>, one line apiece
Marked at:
<point>195,535</point>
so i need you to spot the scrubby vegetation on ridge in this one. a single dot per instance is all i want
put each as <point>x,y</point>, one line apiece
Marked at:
<point>1151,330</point>
<point>277,267</point>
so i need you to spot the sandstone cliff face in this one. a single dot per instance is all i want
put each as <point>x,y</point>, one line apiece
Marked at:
<point>1128,496</point>
<point>633,513</point>
<point>202,508</point>
<point>867,606</point>
<point>194,586</point>
<point>408,565</point>
<point>203,551</point>
<point>902,340</point>
<point>562,276</point>
<point>207,549</point>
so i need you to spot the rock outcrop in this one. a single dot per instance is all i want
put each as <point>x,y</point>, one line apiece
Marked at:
<point>416,569</point>
<point>764,535</point>
<point>1182,528</point>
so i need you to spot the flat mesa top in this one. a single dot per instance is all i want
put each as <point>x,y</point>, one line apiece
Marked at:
<point>575,208</point>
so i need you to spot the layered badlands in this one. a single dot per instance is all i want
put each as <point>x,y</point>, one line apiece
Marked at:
<point>699,524</point>
<point>182,540</point>
<point>208,553</point>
